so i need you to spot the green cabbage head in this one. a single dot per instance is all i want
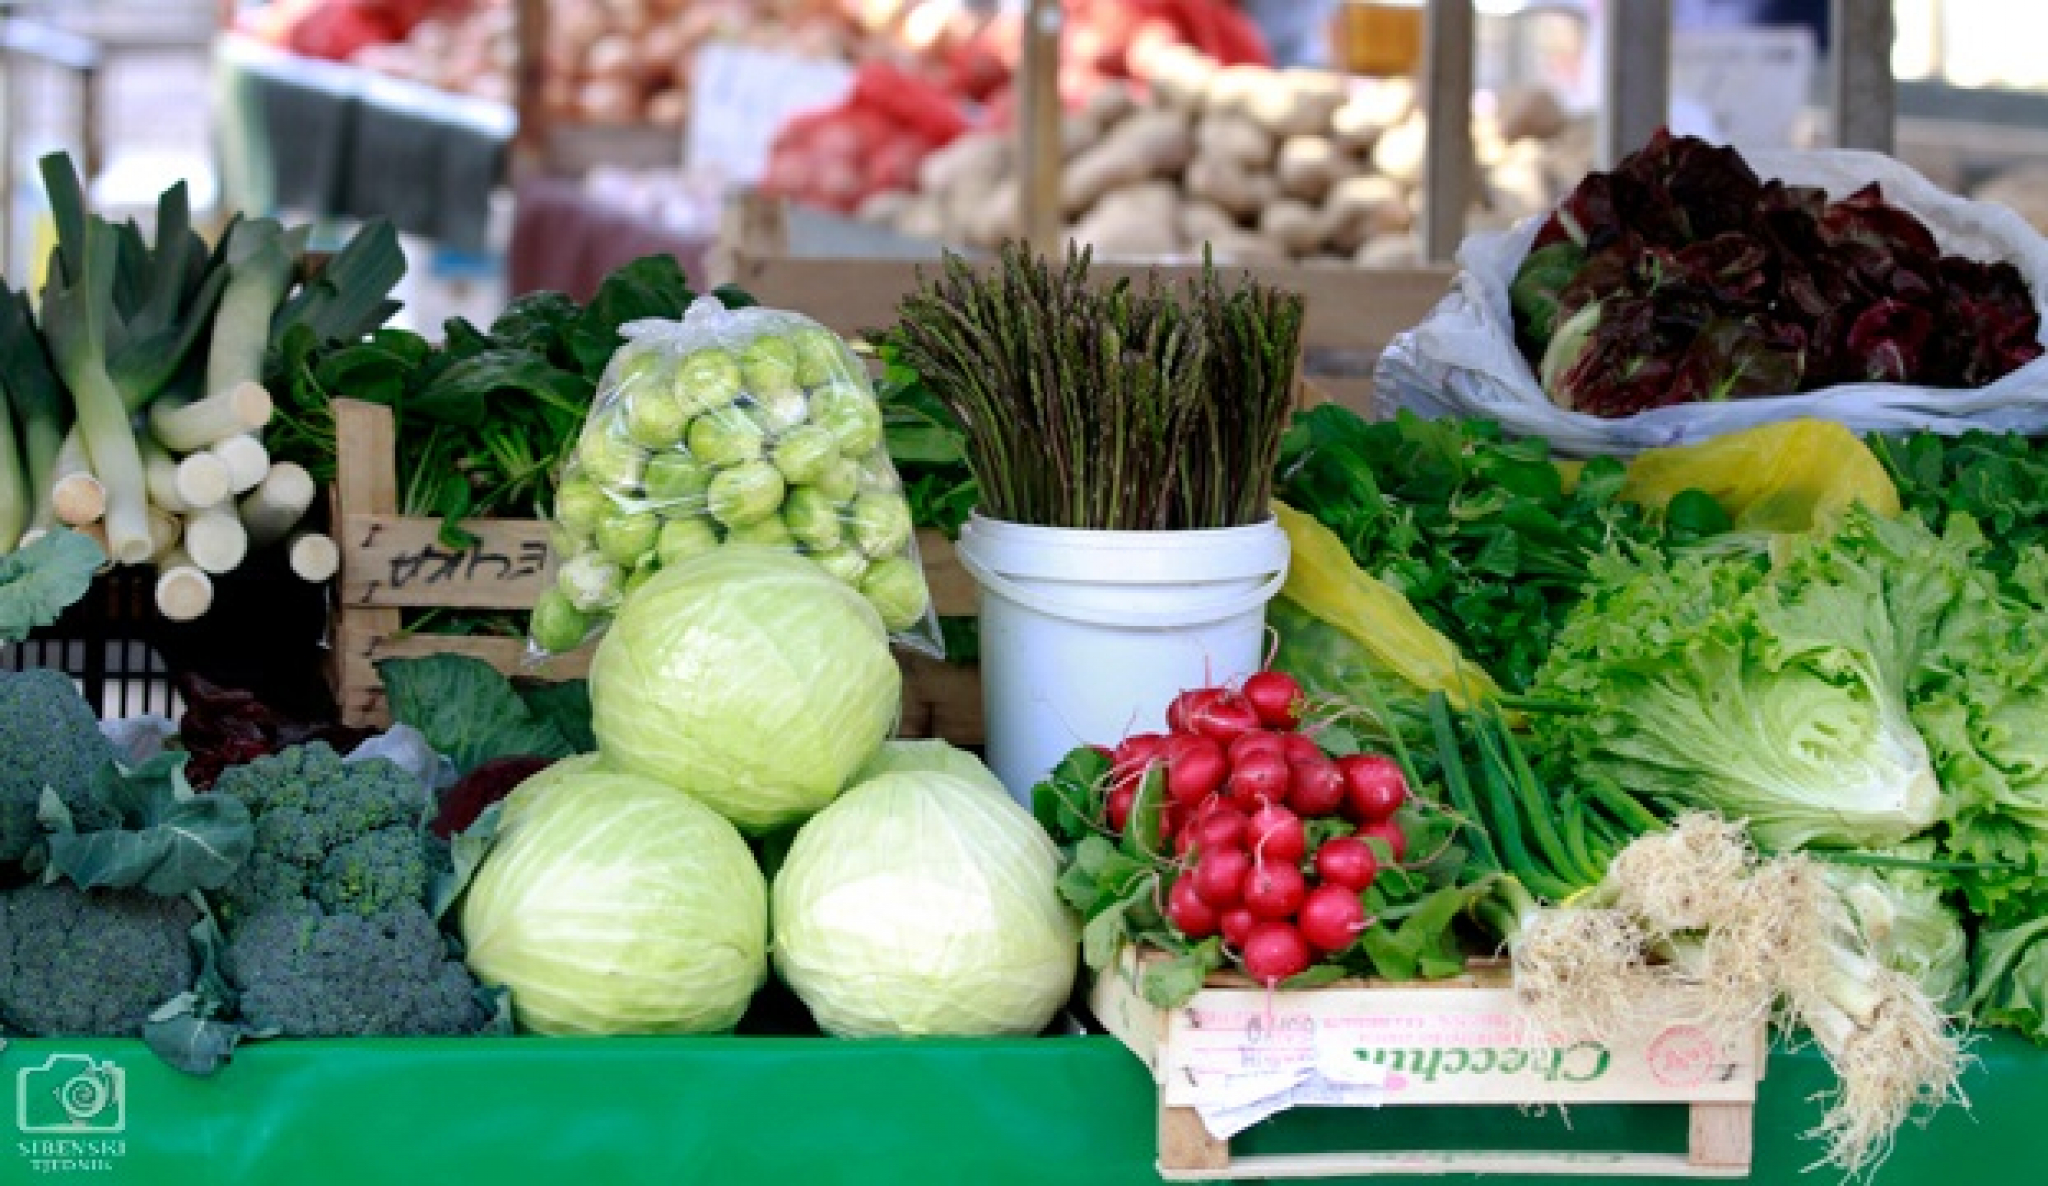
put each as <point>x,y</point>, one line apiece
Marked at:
<point>612,904</point>
<point>750,678</point>
<point>924,904</point>
<point>928,755</point>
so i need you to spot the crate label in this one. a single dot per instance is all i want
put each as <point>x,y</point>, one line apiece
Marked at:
<point>1326,1075</point>
<point>397,561</point>
<point>1434,1046</point>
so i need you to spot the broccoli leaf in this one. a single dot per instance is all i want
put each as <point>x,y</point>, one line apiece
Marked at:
<point>168,841</point>
<point>468,711</point>
<point>40,581</point>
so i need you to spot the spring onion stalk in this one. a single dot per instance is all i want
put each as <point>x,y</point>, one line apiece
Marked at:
<point>165,529</point>
<point>246,459</point>
<point>203,480</point>
<point>260,263</point>
<point>216,539</point>
<point>314,556</point>
<point>187,427</point>
<point>276,505</point>
<point>160,474</point>
<point>76,496</point>
<point>14,496</point>
<point>39,402</point>
<point>183,590</point>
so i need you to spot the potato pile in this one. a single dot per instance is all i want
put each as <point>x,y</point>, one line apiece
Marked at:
<point>1263,165</point>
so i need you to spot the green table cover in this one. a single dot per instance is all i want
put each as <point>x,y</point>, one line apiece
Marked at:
<point>622,1112</point>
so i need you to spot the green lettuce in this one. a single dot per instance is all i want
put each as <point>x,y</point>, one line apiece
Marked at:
<point>1768,689</point>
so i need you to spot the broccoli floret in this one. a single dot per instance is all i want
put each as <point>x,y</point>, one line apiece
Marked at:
<point>348,835</point>
<point>48,738</point>
<point>310,974</point>
<point>90,963</point>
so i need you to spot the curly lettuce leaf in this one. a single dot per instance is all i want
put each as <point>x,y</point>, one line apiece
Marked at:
<point>2010,978</point>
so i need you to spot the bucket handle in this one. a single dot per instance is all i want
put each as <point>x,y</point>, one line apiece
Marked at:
<point>1122,619</point>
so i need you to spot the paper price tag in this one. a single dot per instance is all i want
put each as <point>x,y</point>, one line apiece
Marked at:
<point>740,98</point>
<point>1752,82</point>
<point>1315,1068</point>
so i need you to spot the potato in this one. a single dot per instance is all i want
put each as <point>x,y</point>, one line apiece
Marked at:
<point>1296,226</point>
<point>1401,150</point>
<point>1297,103</point>
<point>1180,76</point>
<point>1238,191</point>
<point>983,155</point>
<point>1235,139</point>
<point>964,203</point>
<point>1148,145</point>
<point>1203,222</point>
<point>1077,133</point>
<point>1230,90</point>
<point>1390,251</point>
<point>1138,221</point>
<point>1108,105</point>
<point>1309,166</point>
<point>1360,208</point>
<point>1000,217</point>
<point>1244,247</point>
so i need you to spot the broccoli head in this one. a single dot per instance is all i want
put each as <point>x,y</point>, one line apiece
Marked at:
<point>346,835</point>
<point>308,973</point>
<point>90,963</point>
<point>48,738</point>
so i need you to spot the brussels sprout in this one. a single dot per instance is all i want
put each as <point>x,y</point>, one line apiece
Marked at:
<point>839,480</point>
<point>895,587</point>
<point>877,472</point>
<point>771,532</point>
<point>579,504</point>
<point>820,356</point>
<point>768,362</point>
<point>779,409</point>
<point>639,368</point>
<point>624,536</point>
<point>557,626</point>
<point>745,494</point>
<point>707,380</point>
<point>803,453</point>
<point>852,416</point>
<point>725,438</point>
<point>610,459</point>
<point>589,581</point>
<point>845,563</point>
<point>677,479</point>
<point>881,523</point>
<point>812,518</point>
<point>564,541</point>
<point>681,539</point>
<point>655,418</point>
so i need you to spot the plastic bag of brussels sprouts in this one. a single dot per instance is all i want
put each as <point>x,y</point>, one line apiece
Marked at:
<point>731,426</point>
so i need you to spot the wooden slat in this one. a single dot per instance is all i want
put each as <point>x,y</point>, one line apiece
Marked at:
<point>1429,1161</point>
<point>1863,95</point>
<point>366,482</point>
<point>1038,126</point>
<point>1353,310</point>
<point>1721,1135</point>
<point>1185,1144</point>
<point>398,560</point>
<point>1447,165</point>
<point>1638,66</point>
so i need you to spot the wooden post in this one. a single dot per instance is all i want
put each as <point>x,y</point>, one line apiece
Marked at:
<point>365,482</point>
<point>1447,92</point>
<point>529,86</point>
<point>1038,127</point>
<point>1862,94</point>
<point>1638,75</point>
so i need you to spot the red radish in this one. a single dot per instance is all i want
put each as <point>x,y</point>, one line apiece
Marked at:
<point>1300,747</point>
<point>1274,890</point>
<point>1260,778</point>
<point>1238,925</point>
<point>1331,917</point>
<point>1374,787</point>
<point>1316,788</point>
<point>1275,951</point>
<point>1137,752</point>
<point>1347,861</point>
<point>1220,874</point>
<point>1275,834</point>
<point>1225,718</point>
<point>1118,809</point>
<point>1277,698</point>
<point>1188,913</point>
<point>1257,741</point>
<point>1188,705</point>
<point>1388,832</point>
<point>1194,767</point>
<point>1220,829</point>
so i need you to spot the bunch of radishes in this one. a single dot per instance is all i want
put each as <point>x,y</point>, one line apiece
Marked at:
<point>1245,789</point>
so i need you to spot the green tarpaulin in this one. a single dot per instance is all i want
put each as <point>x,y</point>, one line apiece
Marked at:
<point>641,1112</point>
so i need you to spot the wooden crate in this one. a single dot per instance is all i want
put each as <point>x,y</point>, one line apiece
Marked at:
<point>392,562</point>
<point>1440,1043</point>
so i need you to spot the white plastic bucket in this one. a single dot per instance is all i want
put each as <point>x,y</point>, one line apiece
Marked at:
<point>1087,636</point>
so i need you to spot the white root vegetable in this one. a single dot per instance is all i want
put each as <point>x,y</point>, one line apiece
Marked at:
<point>1309,166</point>
<point>1180,76</point>
<point>1297,226</point>
<point>1204,222</point>
<point>1235,139</point>
<point>1148,145</point>
<point>1399,151</point>
<point>1137,222</point>
<point>1243,194</point>
<point>216,540</point>
<point>1000,217</point>
<point>75,494</point>
<point>183,590</point>
<point>160,475</point>
<point>1360,208</point>
<point>314,557</point>
<point>1296,102</point>
<point>968,158</point>
<point>203,480</point>
<point>275,506</point>
<point>188,427</point>
<point>246,459</point>
<point>1244,247</point>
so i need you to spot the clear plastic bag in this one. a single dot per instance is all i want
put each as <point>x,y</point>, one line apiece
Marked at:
<point>1462,360</point>
<point>730,427</point>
